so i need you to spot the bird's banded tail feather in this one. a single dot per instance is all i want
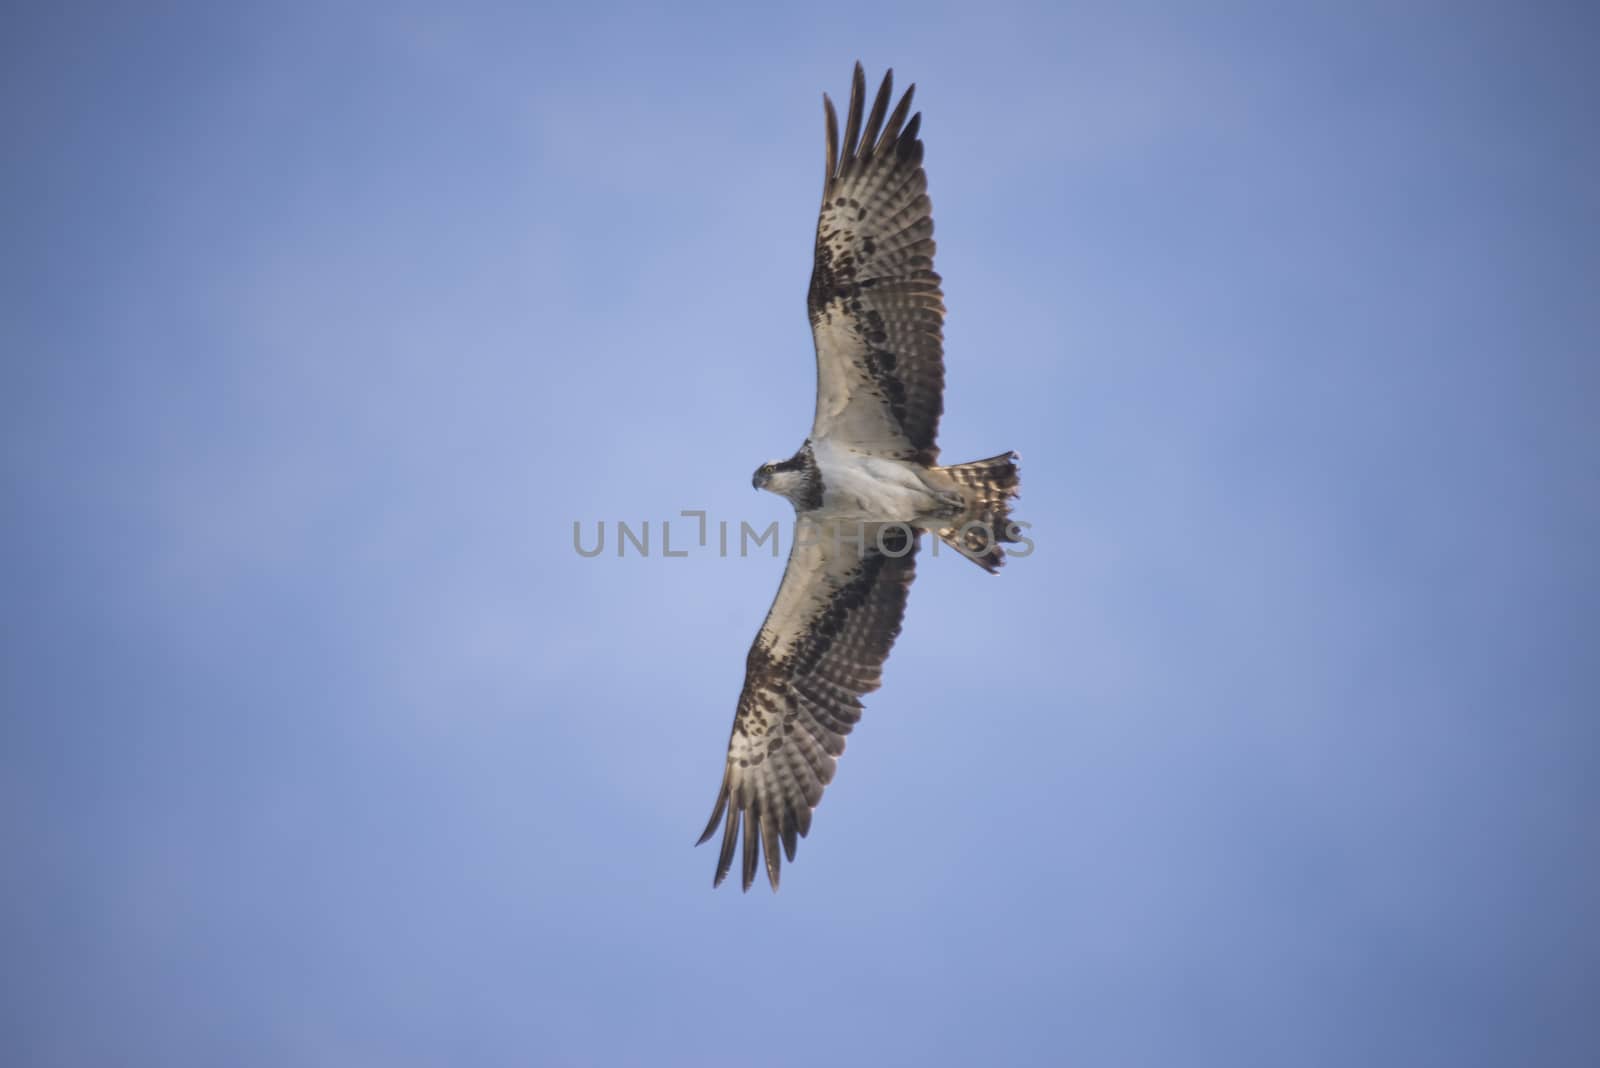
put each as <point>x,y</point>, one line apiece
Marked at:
<point>986,487</point>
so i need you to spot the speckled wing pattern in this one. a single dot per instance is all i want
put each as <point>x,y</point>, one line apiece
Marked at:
<point>830,628</point>
<point>877,312</point>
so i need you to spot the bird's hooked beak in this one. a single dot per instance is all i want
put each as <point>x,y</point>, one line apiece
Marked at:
<point>758,479</point>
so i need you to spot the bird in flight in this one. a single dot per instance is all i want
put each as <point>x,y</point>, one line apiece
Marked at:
<point>865,485</point>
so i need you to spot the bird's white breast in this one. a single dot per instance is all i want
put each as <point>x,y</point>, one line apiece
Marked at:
<point>870,487</point>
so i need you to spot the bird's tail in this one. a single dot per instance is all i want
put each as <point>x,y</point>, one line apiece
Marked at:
<point>986,488</point>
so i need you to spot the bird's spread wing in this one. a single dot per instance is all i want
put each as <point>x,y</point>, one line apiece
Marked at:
<point>823,645</point>
<point>877,312</point>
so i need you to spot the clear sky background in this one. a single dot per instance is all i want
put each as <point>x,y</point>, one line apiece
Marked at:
<point>321,746</point>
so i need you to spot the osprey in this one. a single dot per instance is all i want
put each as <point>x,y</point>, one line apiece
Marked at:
<point>865,485</point>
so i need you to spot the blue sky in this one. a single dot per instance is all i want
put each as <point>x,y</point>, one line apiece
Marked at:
<point>321,746</point>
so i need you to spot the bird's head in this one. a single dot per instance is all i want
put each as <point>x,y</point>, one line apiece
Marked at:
<point>789,478</point>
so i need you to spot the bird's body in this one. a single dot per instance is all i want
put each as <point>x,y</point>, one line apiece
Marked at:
<point>867,475</point>
<point>862,487</point>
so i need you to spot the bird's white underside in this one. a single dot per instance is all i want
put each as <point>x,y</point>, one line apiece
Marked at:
<point>865,488</point>
<point>871,487</point>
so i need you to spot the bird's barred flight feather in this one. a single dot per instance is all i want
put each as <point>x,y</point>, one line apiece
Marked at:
<point>822,647</point>
<point>877,312</point>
